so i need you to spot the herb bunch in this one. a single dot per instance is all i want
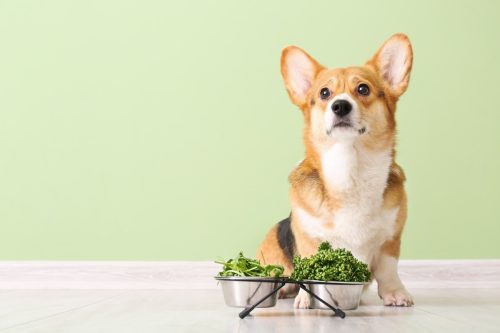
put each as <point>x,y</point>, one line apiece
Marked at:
<point>242,266</point>
<point>330,265</point>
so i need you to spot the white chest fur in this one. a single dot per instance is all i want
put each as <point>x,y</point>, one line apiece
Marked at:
<point>359,178</point>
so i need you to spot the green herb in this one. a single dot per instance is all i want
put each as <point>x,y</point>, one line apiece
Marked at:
<point>242,266</point>
<point>330,265</point>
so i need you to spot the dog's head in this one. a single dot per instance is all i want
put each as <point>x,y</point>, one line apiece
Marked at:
<point>354,103</point>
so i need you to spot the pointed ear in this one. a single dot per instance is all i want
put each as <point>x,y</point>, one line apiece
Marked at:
<point>393,63</point>
<point>299,70</point>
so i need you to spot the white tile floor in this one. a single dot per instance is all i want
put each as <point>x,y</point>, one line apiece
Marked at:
<point>436,310</point>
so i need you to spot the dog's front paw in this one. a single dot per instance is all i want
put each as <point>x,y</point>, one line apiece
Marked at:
<point>302,301</point>
<point>398,297</point>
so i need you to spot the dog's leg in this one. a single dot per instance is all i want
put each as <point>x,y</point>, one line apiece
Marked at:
<point>303,300</point>
<point>289,291</point>
<point>390,288</point>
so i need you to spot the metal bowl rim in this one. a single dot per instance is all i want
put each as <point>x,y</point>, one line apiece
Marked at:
<point>285,280</point>
<point>251,279</point>
<point>335,282</point>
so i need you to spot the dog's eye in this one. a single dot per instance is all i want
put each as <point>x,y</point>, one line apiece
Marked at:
<point>363,89</point>
<point>324,93</point>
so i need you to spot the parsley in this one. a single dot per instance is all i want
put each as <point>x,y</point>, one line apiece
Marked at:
<point>330,265</point>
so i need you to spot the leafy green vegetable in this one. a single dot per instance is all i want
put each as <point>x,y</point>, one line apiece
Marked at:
<point>330,265</point>
<point>242,266</point>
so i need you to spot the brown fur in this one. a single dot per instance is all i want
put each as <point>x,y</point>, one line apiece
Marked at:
<point>268,255</point>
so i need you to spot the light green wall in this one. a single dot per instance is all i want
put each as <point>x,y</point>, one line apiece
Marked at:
<point>161,130</point>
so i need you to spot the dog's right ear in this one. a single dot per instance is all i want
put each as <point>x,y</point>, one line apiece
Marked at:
<point>299,70</point>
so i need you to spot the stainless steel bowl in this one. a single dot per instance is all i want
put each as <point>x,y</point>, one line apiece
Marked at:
<point>242,292</point>
<point>344,295</point>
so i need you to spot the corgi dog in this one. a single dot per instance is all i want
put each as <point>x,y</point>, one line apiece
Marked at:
<point>348,190</point>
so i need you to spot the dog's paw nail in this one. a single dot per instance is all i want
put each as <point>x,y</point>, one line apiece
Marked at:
<point>399,297</point>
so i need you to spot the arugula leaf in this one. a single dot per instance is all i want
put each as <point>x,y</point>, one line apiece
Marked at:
<point>242,266</point>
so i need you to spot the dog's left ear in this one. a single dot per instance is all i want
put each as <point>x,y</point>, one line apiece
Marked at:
<point>393,63</point>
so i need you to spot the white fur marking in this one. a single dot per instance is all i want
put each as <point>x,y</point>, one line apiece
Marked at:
<point>302,300</point>
<point>314,226</point>
<point>360,177</point>
<point>390,287</point>
<point>386,273</point>
<point>339,165</point>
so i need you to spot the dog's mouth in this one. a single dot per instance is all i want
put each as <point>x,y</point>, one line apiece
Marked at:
<point>345,125</point>
<point>339,124</point>
<point>342,123</point>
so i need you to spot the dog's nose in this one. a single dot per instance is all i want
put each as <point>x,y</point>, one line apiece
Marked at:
<point>341,107</point>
